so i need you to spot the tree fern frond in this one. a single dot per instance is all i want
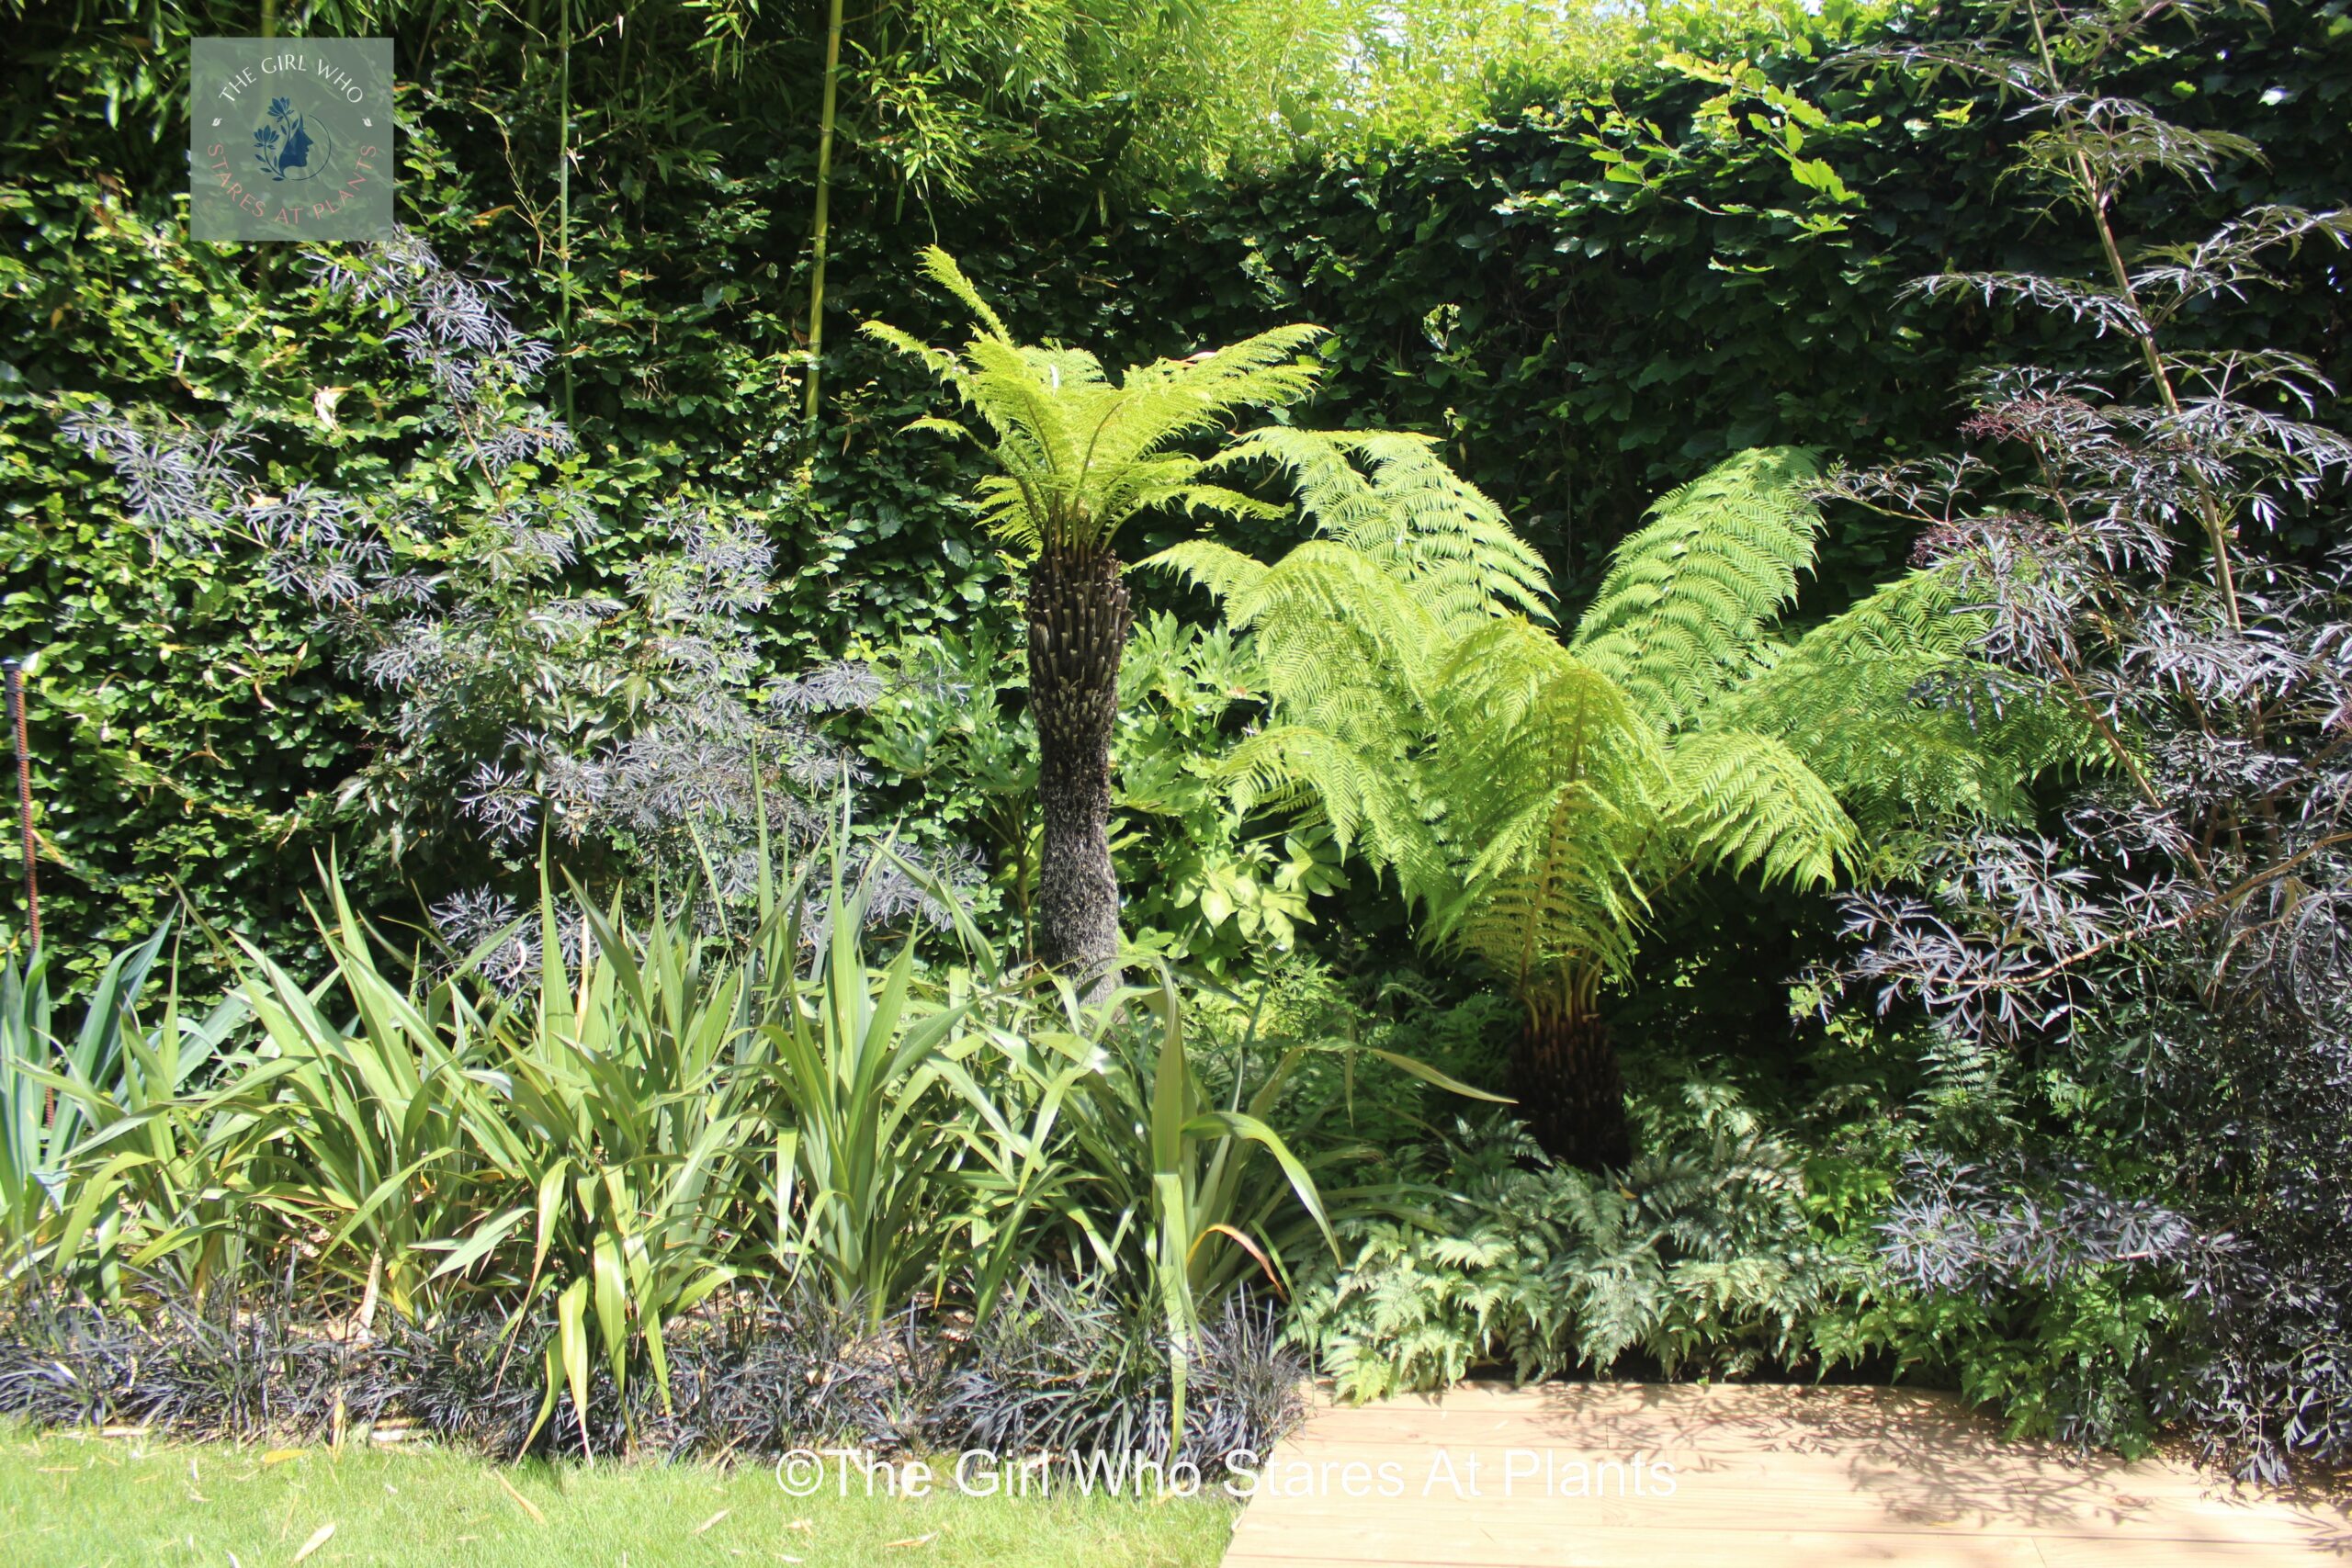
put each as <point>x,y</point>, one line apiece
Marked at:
<point>1556,893</point>
<point>947,427</point>
<point>939,361</point>
<point>1322,580</point>
<point>1686,598</point>
<point>1510,686</point>
<point>941,268</point>
<point>1407,509</point>
<point>1364,796</point>
<point>1889,704</point>
<point>1747,803</point>
<point>1224,571</point>
<point>1193,499</point>
<point>1081,453</point>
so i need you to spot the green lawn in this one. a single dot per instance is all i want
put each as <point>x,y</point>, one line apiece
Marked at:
<point>89,1501</point>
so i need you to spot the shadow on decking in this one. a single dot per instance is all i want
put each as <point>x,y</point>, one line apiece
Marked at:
<point>1920,1458</point>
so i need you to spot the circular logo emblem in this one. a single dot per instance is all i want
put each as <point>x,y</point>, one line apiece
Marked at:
<point>293,146</point>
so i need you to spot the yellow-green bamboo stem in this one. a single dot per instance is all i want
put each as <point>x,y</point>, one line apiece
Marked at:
<point>821,226</point>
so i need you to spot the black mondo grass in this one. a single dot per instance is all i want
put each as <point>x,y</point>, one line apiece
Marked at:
<point>202,1373</point>
<point>759,1375</point>
<point>1066,1371</point>
<point>799,1370</point>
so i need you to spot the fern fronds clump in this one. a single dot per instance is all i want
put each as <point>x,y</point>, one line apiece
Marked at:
<point>1081,454</point>
<point>1536,797</point>
<point>1690,597</point>
<point>1699,1256</point>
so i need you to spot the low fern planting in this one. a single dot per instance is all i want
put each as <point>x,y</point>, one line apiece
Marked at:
<point>1733,1247</point>
<point>1695,1257</point>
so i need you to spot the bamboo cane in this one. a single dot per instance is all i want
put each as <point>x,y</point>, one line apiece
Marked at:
<point>24,796</point>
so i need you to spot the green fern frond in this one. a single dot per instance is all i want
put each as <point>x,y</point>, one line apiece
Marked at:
<point>1698,1252</point>
<point>1521,702</point>
<point>1388,496</point>
<point>941,268</point>
<point>1344,646</point>
<point>1224,571</point>
<point>939,361</point>
<point>1080,453</point>
<point>1193,499</point>
<point>1358,792</point>
<point>947,427</point>
<point>1557,902</point>
<point>1747,803</point>
<point>1889,704</point>
<point>1688,598</point>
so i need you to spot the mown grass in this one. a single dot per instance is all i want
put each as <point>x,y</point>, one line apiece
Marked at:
<point>68,1500</point>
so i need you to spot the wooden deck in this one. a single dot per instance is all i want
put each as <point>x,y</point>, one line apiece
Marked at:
<point>1738,1477</point>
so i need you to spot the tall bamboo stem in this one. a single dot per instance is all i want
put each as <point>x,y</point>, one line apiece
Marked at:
<point>822,224</point>
<point>563,209</point>
<point>24,798</point>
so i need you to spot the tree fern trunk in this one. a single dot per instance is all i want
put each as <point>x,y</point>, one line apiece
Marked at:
<point>1077,629</point>
<point>1566,1079</point>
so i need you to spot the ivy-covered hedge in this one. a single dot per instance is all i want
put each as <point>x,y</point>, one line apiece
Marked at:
<point>1591,304</point>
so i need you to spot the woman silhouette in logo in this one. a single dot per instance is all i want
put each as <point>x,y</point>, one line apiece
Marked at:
<point>284,145</point>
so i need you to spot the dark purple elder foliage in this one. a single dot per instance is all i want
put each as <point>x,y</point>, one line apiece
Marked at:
<point>522,698</point>
<point>2171,948</point>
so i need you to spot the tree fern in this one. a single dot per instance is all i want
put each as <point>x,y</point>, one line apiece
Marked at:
<point>1535,799</point>
<point>1079,454</point>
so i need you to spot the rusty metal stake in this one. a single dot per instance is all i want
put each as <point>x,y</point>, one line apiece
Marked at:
<point>24,795</point>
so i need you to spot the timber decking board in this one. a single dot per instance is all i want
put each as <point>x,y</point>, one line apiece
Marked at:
<point>1762,1477</point>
